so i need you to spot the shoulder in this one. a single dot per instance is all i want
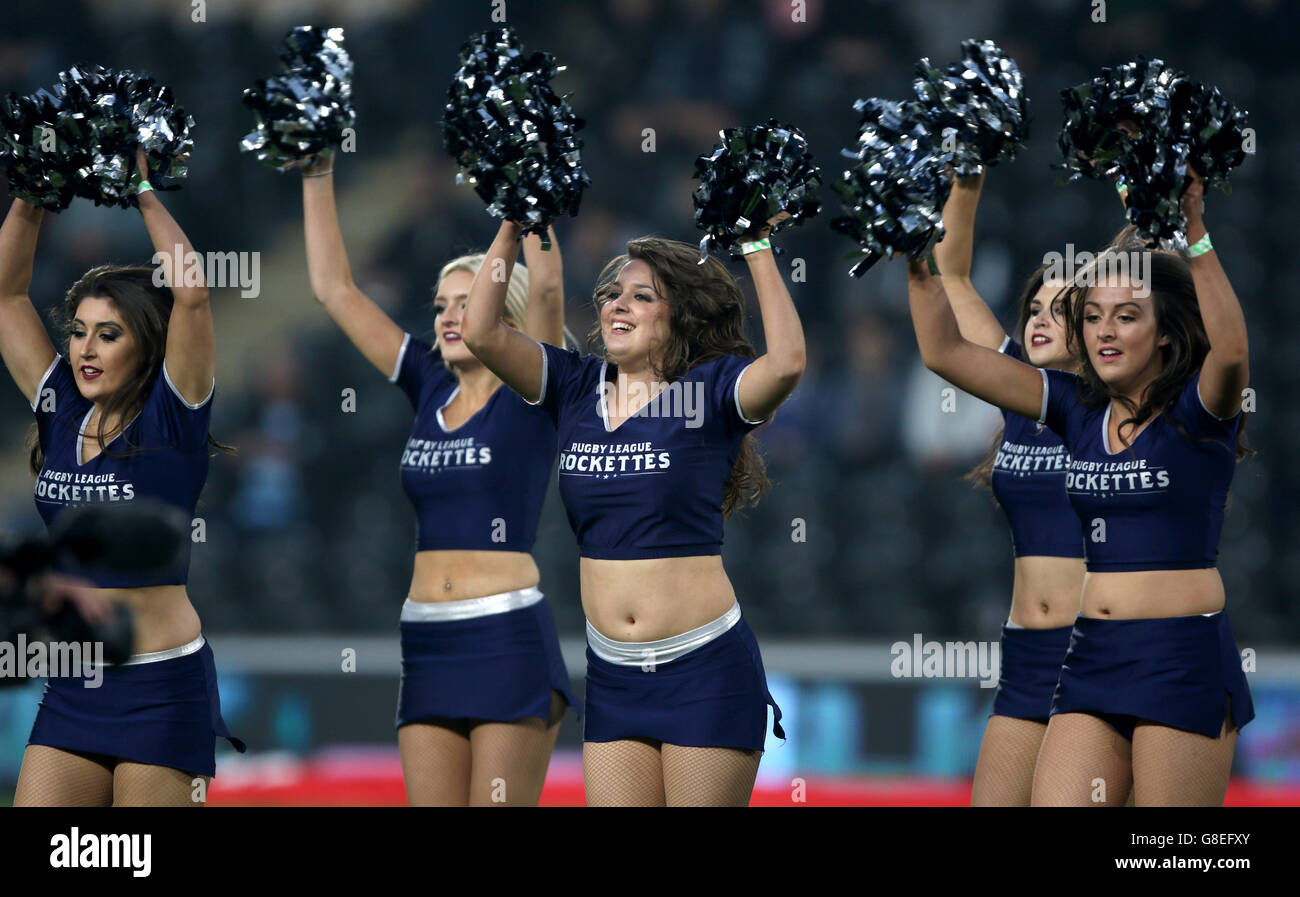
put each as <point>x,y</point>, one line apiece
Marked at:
<point>417,357</point>
<point>720,378</point>
<point>57,384</point>
<point>569,367</point>
<point>1191,411</point>
<point>723,367</point>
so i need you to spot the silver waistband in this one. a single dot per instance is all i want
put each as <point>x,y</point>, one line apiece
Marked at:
<point>169,654</point>
<point>469,608</point>
<point>662,650</point>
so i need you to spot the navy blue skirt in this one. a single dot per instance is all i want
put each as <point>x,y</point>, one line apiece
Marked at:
<point>713,696</point>
<point>1182,672</point>
<point>166,713</point>
<point>1031,666</point>
<point>499,667</point>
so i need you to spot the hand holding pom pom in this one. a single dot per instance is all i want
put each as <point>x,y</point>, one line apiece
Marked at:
<point>81,137</point>
<point>981,100</point>
<point>514,139</point>
<point>306,111</point>
<point>759,174</point>
<point>1147,125</point>
<point>895,193</point>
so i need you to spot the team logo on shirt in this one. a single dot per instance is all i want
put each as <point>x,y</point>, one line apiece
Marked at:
<point>70,488</point>
<point>1110,477</point>
<point>617,459</point>
<point>434,455</point>
<point>1023,460</point>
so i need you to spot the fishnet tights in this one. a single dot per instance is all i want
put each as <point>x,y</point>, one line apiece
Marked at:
<point>1162,766</point>
<point>1004,772</point>
<point>639,772</point>
<point>56,778</point>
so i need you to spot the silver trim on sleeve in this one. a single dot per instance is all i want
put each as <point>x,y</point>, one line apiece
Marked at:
<point>401,353</point>
<point>45,377</point>
<point>546,366</point>
<point>1207,410</point>
<point>193,406</point>
<point>735,391</point>
<point>1042,411</point>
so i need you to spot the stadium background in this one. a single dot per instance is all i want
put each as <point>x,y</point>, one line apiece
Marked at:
<point>308,537</point>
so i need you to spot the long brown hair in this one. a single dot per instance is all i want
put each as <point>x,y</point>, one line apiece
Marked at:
<point>1178,316</point>
<point>706,321</point>
<point>146,310</point>
<point>982,474</point>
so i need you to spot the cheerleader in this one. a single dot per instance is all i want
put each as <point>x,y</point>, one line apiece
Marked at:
<point>122,415</point>
<point>1026,471</point>
<point>654,453</point>
<point>484,685</point>
<point>1151,695</point>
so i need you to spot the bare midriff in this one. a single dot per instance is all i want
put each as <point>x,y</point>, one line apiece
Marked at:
<point>1046,591</point>
<point>457,575</point>
<point>163,617</point>
<point>1144,594</point>
<point>654,598</point>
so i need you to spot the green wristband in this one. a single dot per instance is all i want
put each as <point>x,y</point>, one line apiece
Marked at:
<point>144,187</point>
<point>1200,247</point>
<point>756,246</point>
<point>932,265</point>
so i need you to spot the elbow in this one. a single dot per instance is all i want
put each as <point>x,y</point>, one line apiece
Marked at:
<point>935,361</point>
<point>474,334</point>
<point>331,293</point>
<point>1234,354</point>
<point>790,366</point>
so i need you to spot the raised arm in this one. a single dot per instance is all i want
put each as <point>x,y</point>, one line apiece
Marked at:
<point>509,354</point>
<point>24,344</point>
<point>953,254</point>
<point>983,372</point>
<point>1226,370</point>
<point>545,290</point>
<point>364,322</point>
<point>773,376</point>
<point>190,357</point>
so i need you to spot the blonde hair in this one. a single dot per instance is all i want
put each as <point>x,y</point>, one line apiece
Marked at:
<point>516,290</point>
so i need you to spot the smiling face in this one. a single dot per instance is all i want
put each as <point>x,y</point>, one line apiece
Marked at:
<point>1044,336</point>
<point>1122,337</point>
<point>449,310</point>
<point>101,350</point>
<point>634,317</point>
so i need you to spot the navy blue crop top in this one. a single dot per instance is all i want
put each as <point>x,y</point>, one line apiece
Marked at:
<point>479,487</point>
<point>1158,505</point>
<point>653,488</point>
<point>1029,483</point>
<point>162,454</point>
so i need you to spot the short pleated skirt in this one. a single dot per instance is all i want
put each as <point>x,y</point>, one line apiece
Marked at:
<point>1182,672</point>
<point>495,658</point>
<point>1031,666</point>
<point>715,695</point>
<point>163,712</point>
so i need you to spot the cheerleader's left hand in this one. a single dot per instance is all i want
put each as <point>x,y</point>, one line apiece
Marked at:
<point>1194,206</point>
<point>766,230</point>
